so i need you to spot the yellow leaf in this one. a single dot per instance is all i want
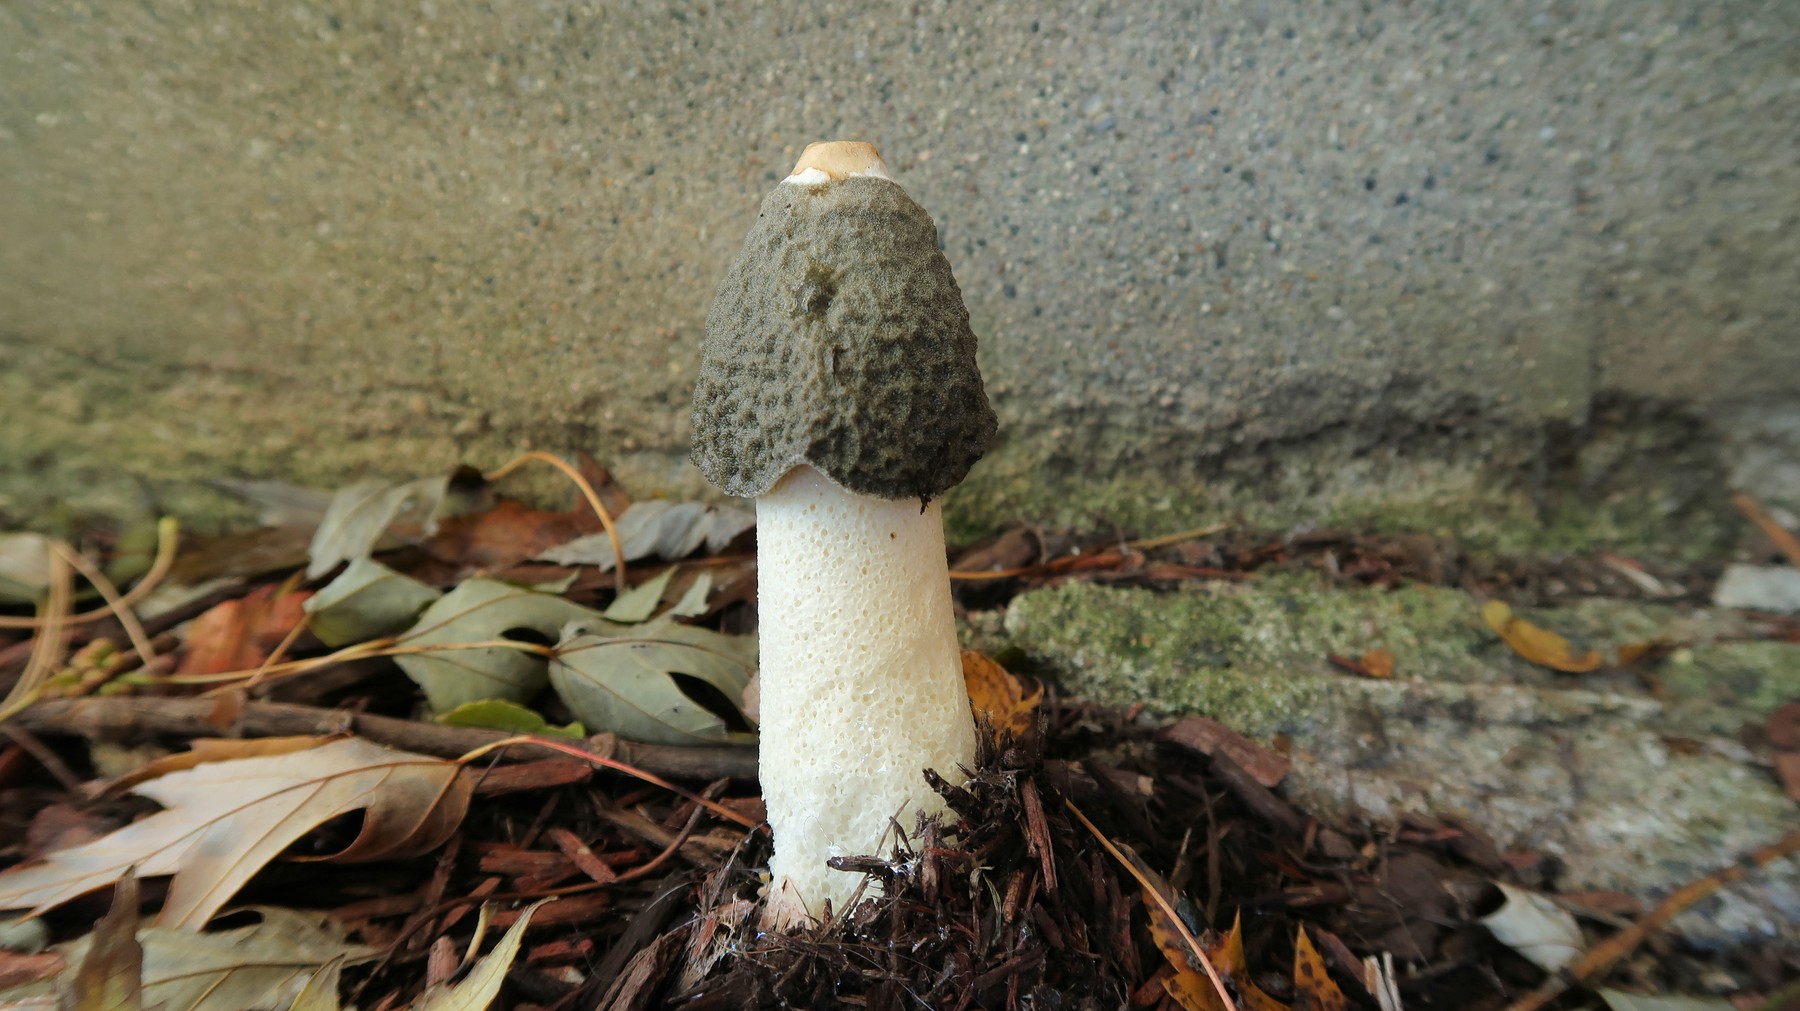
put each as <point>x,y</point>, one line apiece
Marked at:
<point>1313,987</point>
<point>999,697</point>
<point>1228,957</point>
<point>1539,645</point>
<point>1190,988</point>
<point>1379,663</point>
<point>222,821</point>
<point>482,985</point>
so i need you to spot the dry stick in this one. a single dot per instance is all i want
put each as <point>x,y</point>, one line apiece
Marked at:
<point>52,636</point>
<point>128,620</point>
<point>1053,564</point>
<point>1162,903</point>
<point>1164,541</point>
<point>119,716</point>
<point>166,531</point>
<point>52,764</point>
<point>384,647</point>
<point>582,754</point>
<point>593,501</point>
<point>1603,956</point>
<point>1755,513</point>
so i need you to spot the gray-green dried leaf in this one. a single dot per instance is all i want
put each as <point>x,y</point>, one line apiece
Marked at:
<point>484,610</point>
<point>321,991</point>
<point>27,936</point>
<point>693,603</point>
<point>1619,1000</point>
<point>365,601</point>
<point>24,567</point>
<point>247,969</point>
<point>639,603</point>
<point>499,714</point>
<point>362,512</point>
<point>620,679</point>
<point>660,529</point>
<point>1535,926</point>
<point>478,990</point>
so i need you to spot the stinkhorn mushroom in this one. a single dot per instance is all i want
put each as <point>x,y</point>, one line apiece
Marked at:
<point>838,387</point>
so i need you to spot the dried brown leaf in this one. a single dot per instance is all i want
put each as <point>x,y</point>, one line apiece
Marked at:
<point>998,696</point>
<point>1539,645</point>
<point>239,634</point>
<point>110,976</point>
<point>1787,770</point>
<point>1784,727</point>
<point>1379,663</point>
<point>223,821</point>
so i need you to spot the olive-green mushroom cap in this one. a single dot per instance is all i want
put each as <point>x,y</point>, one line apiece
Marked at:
<point>838,338</point>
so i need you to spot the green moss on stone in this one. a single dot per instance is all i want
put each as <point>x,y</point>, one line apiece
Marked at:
<point>1752,676</point>
<point>1252,655</point>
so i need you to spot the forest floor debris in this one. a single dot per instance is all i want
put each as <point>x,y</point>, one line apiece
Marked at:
<point>1103,857</point>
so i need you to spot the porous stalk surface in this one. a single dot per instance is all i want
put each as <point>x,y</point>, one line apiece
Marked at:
<point>861,679</point>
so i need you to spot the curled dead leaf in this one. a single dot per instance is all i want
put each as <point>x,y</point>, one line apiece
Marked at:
<point>999,697</point>
<point>223,821</point>
<point>1539,645</point>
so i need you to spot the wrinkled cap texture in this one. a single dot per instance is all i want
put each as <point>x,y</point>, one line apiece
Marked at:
<point>838,338</point>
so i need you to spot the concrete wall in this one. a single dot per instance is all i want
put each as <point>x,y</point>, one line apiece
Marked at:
<point>1285,249</point>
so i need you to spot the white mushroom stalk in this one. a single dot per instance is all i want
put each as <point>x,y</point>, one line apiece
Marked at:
<point>861,679</point>
<point>838,387</point>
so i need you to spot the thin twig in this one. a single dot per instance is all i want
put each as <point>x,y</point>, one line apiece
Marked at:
<point>587,491</point>
<point>608,763</point>
<point>29,744</point>
<point>1058,565</point>
<point>1755,513</point>
<point>1162,903</point>
<point>167,531</point>
<point>1603,956</point>
<point>115,603</point>
<point>388,647</point>
<point>116,717</point>
<point>1145,544</point>
<point>51,639</point>
<point>287,641</point>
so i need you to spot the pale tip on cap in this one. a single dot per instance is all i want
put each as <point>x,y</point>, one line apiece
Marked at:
<point>831,160</point>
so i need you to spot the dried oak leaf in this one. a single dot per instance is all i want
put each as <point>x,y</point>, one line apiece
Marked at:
<point>1539,645</point>
<point>998,696</point>
<point>223,821</point>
